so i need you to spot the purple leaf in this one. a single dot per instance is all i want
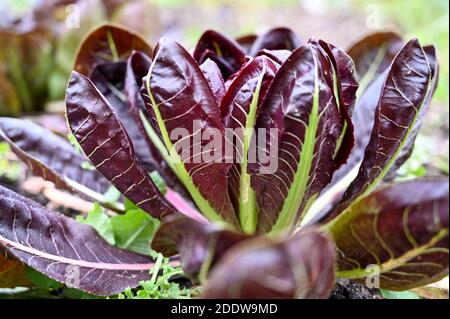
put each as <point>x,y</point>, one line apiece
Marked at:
<point>227,54</point>
<point>300,105</point>
<point>109,79</point>
<point>279,56</point>
<point>106,44</point>
<point>180,100</point>
<point>346,87</point>
<point>373,54</point>
<point>138,65</point>
<point>276,39</point>
<point>199,244</point>
<point>300,267</point>
<point>402,101</point>
<point>104,140</point>
<point>240,108</point>
<point>372,57</point>
<point>246,42</point>
<point>50,156</point>
<point>214,77</point>
<point>64,250</point>
<point>401,229</point>
<point>407,149</point>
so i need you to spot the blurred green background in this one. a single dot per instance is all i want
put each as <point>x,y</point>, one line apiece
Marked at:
<point>341,22</point>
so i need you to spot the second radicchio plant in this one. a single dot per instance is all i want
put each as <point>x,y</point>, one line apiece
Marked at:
<point>279,156</point>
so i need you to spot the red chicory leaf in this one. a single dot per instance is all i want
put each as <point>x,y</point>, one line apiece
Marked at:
<point>225,52</point>
<point>64,250</point>
<point>399,233</point>
<point>138,65</point>
<point>214,77</point>
<point>407,149</point>
<point>240,108</point>
<point>276,39</point>
<point>345,85</point>
<point>180,102</point>
<point>301,106</point>
<point>301,266</point>
<point>372,55</point>
<point>50,156</point>
<point>246,42</point>
<point>200,244</point>
<point>401,102</point>
<point>104,140</point>
<point>279,56</point>
<point>109,79</point>
<point>106,44</point>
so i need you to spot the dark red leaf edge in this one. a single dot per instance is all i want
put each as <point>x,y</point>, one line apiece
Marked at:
<point>278,56</point>
<point>108,43</point>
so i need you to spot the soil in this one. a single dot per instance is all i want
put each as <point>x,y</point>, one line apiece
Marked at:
<point>349,289</point>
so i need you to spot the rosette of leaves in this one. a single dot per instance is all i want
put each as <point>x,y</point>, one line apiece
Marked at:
<point>239,228</point>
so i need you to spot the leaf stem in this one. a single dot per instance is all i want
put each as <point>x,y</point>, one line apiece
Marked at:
<point>248,210</point>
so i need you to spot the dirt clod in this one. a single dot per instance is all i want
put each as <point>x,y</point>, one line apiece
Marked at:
<point>349,289</point>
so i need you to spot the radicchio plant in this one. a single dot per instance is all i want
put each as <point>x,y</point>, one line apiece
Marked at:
<point>327,208</point>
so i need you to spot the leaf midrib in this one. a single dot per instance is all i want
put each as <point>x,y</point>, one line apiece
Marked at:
<point>248,210</point>
<point>82,263</point>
